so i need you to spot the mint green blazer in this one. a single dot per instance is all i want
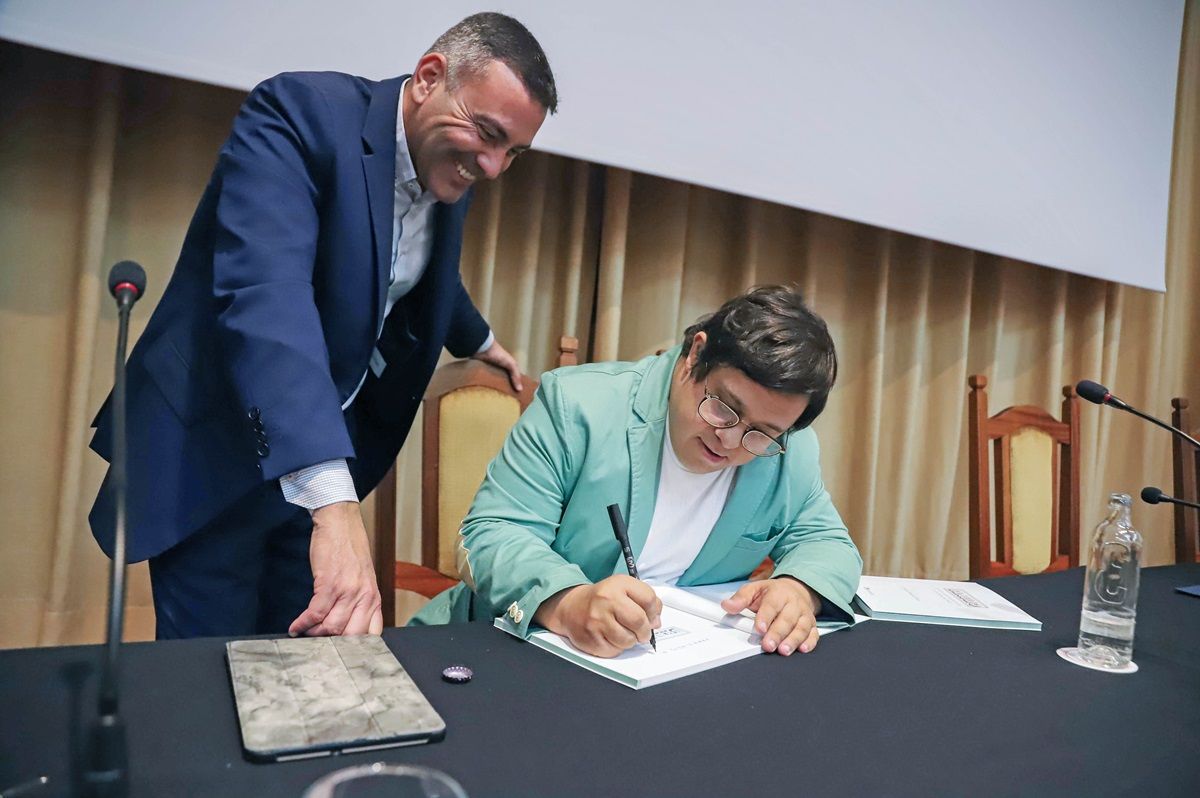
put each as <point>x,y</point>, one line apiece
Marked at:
<point>593,436</point>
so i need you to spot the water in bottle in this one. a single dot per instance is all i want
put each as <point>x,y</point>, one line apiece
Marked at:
<point>1110,590</point>
<point>1106,637</point>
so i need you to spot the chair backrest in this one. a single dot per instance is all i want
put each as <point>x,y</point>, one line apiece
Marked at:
<point>568,349</point>
<point>1036,478</point>
<point>1185,462</point>
<point>469,408</point>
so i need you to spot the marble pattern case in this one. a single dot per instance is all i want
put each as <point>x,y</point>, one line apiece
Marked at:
<point>322,695</point>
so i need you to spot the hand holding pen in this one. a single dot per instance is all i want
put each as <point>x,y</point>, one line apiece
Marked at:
<point>618,525</point>
<point>610,616</point>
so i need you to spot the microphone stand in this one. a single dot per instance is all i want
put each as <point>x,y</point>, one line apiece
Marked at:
<point>1181,502</point>
<point>1096,393</point>
<point>1155,421</point>
<point>107,770</point>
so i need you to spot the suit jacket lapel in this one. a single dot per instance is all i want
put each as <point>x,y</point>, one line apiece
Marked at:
<point>379,170</point>
<point>646,434</point>
<point>443,259</point>
<point>645,455</point>
<point>750,488</point>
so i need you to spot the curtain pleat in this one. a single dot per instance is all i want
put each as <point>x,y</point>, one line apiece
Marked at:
<point>577,236</point>
<point>611,270</point>
<point>82,361</point>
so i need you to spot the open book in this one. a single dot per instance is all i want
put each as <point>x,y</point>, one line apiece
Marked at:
<point>696,634</point>
<point>933,601</point>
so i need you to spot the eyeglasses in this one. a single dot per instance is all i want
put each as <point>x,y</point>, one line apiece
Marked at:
<point>719,415</point>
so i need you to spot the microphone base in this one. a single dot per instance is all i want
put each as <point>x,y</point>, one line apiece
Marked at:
<point>107,774</point>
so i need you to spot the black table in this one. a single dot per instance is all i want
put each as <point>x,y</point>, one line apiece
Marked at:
<point>883,709</point>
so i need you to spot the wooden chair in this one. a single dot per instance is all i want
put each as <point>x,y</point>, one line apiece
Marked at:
<point>469,408</point>
<point>1185,462</point>
<point>1037,517</point>
<point>568,349</point>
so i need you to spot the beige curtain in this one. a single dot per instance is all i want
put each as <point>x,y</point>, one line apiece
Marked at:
<point>96,164</point>
<point>912,319</point>
<point>99,163</point>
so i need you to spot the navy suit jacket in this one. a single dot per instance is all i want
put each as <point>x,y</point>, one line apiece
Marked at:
<point>273,311</point>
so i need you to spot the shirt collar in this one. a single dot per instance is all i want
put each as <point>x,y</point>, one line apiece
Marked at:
<point>406,172</point>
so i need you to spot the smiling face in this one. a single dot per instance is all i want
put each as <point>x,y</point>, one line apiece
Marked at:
<point>468,133</point>
<point>702,448</point>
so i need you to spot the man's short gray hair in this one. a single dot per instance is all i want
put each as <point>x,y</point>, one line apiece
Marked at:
<point>482,38</point>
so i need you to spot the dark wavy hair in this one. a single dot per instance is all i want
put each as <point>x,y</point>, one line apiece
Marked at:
<point>771,336</point>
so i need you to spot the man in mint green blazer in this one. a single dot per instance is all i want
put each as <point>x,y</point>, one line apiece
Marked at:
<point>708,451</point>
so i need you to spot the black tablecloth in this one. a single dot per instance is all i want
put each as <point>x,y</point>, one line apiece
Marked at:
<point>882,709</point>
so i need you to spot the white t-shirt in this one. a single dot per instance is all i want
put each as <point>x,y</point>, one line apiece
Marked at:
<point>685,512</point>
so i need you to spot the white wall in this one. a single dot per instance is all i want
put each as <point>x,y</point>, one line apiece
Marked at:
<point>1035,129</point>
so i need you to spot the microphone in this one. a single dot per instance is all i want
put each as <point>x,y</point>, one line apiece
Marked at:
<point>107,769</point>
<point>126,282</point>
<point>1096,393</point>
<point>1152,495</point>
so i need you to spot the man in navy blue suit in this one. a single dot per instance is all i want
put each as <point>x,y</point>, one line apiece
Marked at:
<point>318,282</point>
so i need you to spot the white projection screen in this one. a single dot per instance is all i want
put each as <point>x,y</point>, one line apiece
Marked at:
<point>1034,129</point>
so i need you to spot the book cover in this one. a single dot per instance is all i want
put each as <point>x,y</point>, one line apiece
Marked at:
<point>696,635</point>
<point>935,601</point>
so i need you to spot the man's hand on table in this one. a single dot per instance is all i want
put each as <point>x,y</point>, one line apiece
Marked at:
<point>603,619</point>
<point>345,594</point>
<point>785,613</point>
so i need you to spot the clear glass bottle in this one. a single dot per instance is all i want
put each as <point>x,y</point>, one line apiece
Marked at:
<point>1110,589</point>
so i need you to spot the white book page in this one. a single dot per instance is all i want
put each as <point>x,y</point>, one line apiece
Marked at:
<point>937,598</point>
<point>704,601</point>
<point>686,644</point>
